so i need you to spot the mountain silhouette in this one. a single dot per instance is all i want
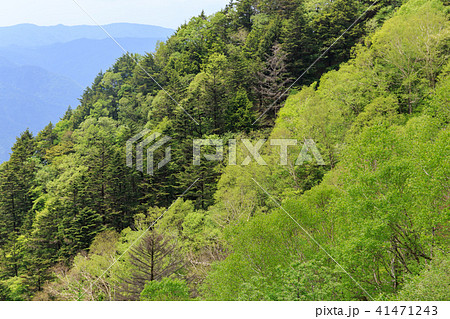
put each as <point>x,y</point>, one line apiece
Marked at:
<point>43,70</point>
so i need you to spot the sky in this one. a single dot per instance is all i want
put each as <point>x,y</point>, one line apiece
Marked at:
<point>165,13</point>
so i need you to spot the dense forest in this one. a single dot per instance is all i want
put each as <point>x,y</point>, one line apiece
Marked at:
<point>372,224</point>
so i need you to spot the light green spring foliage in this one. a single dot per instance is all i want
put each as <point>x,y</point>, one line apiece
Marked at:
<point>380,124</point>
<point>430,284</point>
<point>388,223</point>
<point>381,211</point>
<point>165,290</point>
<point>438,106</point>
<point>300,281</point>
<point>70,207</point>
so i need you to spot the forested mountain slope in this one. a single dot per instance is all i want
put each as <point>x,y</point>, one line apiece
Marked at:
<point>376,104</point>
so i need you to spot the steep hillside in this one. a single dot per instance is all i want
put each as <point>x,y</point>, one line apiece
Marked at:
<point>372,223</point>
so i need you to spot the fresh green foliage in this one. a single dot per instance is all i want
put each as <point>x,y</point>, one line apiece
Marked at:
<point>77,224</point>
<point>165,290</point>
<point>430,284</point>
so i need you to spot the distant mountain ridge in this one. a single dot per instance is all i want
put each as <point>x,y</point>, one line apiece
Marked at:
<point>81,59</point>
<point>30,35</point>
<point>43,70</point>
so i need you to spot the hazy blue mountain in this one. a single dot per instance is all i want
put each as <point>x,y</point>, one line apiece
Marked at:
<point>81,59</point>
<point>43,70</point>
<point>30,35</point>
<point>30,97</point>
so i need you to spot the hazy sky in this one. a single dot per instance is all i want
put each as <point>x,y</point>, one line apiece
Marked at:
<point>165,13</point>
